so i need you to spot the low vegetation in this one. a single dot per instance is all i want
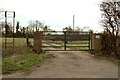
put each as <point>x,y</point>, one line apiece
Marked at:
<point>20,62</point>
<point>20,57</point>
<point>111,24</point>
<point>100,56</point>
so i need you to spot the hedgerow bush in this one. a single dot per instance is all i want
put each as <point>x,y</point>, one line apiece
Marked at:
<point>109,45</point>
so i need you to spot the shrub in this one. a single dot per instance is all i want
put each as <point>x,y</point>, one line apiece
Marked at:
<point>109,45</point>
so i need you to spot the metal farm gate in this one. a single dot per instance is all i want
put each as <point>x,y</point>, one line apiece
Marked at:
<point>66,41</point>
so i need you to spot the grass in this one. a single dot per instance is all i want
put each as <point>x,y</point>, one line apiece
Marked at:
<point>20,46</point>
<point>19,58</point>
<point>20,62</point>
<point>112,59</point>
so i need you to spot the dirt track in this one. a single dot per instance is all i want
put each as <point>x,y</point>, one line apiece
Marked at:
<point>70,65</point>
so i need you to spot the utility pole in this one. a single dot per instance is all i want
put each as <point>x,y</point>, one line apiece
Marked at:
<point>73,21</point>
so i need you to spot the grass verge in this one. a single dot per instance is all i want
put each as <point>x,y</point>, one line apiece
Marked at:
<point>20,62</point>
<point>112,59</point>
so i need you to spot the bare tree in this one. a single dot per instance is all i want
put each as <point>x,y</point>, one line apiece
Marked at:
<point>111,17</point>
<point>35,25</point>
<point>111,20</point>
<point>67,28</point>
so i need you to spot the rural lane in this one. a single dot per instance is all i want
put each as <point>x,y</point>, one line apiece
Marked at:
<point>70,64</point>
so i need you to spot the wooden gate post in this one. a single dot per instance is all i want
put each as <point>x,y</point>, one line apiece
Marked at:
<point>38,42</point>
<point>90,40</point>
<point>96,42</point>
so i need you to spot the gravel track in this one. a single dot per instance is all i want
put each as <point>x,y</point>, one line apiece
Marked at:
<point>70,64</point>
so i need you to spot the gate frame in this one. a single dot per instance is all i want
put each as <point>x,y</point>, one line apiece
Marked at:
<point>65,41</point>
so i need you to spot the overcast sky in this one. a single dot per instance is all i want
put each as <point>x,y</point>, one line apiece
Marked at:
<point>56,13</point>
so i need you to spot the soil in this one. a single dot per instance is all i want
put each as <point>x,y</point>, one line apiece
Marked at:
<point>72,64</point>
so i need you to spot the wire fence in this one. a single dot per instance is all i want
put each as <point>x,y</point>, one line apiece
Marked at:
<point>18,46</point>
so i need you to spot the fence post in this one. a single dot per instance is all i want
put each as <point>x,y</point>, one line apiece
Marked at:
<point>13,30</point>
<point>27,38</point>
<point>89,39</point>
<point>5,29</point>
<point>65,40</point>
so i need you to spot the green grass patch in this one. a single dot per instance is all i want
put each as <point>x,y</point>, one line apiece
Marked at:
<point>20,62</point>
<point>20,46</point>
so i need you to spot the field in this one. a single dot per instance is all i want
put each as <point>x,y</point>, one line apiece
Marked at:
<point>18,58</point>
<point>19,46</point>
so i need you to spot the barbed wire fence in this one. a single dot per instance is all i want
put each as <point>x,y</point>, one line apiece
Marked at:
<point>13,42</point>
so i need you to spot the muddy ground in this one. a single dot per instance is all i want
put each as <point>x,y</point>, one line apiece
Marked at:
<point>77,64</point>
